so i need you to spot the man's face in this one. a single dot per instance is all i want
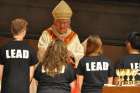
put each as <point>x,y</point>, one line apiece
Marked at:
<point>62,25</point>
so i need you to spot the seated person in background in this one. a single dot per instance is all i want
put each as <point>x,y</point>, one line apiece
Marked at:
<point>132,60</point>
<point>55,74</point>
<point>94,70</point>
<point>17,60</point>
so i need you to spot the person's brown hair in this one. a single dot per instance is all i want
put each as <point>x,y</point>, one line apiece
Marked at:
<point>17,25</point>
<point>55,57</point>
<point>94,45</point>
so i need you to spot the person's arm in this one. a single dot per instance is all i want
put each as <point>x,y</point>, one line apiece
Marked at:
<point>80,74</point>
<point>1,63</point>
<point>40,53</point>
<point>116,81</point>
<point>79,83</point>
<point>32,63</point>
<point>1,71</point>
<point>111,72</point>
<point>77,49</point>
<point>110,80</point>
<point>32,69</point>
<point>43,43</point>
<point>84,44</point>
<point>73,86</point>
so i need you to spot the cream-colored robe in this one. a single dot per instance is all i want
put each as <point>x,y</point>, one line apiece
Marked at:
<point>74,45</point>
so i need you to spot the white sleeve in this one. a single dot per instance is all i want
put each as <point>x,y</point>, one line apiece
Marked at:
<point>43,43</point>
<point>77,49</point>
<point>43,40</point>
<point>84,44</point>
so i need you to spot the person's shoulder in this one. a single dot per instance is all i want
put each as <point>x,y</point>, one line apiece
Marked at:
<point>72,32</point>
<point>6,45</point>
<point>121,62</point>
<point>126,57</point>
<point>133,55</point>
<point>48,31</point>
<point>105,58</point>
<point>130,57</point>
<point>85,58</point>
<point>25,45</point>
<point>31,49</point>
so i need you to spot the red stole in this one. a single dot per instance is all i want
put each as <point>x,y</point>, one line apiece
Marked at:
<point>67,39</point>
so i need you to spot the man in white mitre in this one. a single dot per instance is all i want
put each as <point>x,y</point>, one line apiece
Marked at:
<point>61,29</point>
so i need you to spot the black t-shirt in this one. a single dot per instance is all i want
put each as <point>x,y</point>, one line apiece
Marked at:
<point>59,81</point>
<point>95,70</point>
<point>131,61</point>
<point>17,57</point>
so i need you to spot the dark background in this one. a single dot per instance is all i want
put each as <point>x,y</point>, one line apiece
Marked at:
<point>111,19</point>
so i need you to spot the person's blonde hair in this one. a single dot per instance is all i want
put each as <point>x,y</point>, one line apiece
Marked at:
<point>55,58</point>
<point>96,43</point>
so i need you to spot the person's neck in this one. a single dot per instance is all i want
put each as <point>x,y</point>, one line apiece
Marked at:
<point>134,51</point>
<point>94,54</point>
<point>18,38</point>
